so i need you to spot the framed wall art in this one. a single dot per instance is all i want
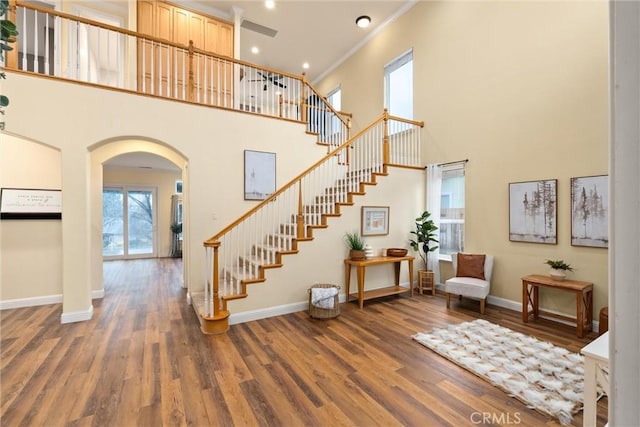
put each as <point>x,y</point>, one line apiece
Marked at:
<point>374,221</point>
<point>590,211</point>
<point>533,211</point>
<point>259,174</point>
<point>25,203</point>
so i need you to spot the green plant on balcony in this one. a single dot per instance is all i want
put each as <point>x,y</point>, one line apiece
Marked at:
<point>8,33</point>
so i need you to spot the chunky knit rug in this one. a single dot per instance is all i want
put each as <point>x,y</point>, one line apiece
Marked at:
<point>546,378</point>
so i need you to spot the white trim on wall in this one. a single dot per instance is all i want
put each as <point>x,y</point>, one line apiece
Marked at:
<point>77,316</point>
<point>30,302</point>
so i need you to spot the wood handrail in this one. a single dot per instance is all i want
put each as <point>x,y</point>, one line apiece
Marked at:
<point>411,122</point>
<point>327,103</point>
<point>214,240</point>
<point>127,32</point>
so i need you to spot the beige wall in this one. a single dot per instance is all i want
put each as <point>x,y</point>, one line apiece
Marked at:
<point>208,144</point>
<point>30,250</point>
<point>518,88</point>
<point>163,182</point>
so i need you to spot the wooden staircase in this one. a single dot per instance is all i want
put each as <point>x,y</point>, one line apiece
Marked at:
<point>241,253</point>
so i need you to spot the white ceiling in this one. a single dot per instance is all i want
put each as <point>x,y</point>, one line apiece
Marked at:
<point>322,33</point>
<point>141,161</point>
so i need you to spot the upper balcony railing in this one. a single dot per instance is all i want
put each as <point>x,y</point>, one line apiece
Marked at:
<point>65,46</point>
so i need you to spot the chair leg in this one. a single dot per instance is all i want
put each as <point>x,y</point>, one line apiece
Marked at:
<point>448,300</point>
<point>482,301</point>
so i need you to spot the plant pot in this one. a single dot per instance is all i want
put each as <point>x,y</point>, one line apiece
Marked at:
<point>556,274</point>
<point>356,255</point>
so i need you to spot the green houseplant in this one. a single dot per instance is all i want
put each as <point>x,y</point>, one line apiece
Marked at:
<point>356,243</point>
<point>559,268</point>
<point>425,236</point>
<point>176,244</point>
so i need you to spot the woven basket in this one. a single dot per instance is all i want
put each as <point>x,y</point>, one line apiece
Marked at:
<point>324,313</point>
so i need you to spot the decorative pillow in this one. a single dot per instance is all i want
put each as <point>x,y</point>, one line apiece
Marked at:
<point>470,265</point>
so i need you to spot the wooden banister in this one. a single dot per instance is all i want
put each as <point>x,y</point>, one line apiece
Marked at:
<point>215,238</point>
<point>330,107</point>
<point>385,138</point>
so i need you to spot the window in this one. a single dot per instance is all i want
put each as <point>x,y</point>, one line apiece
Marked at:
<point>178,186</point>
<point>335,100</point>
<point>452,211</point>
<point>398,86</point>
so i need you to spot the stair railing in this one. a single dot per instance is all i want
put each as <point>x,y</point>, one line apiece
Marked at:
<point>238,254</point>
<point>62,45</point>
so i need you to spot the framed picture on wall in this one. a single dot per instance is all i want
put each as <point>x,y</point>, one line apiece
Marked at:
<point>374,221</point>
<point>259,174</point>
<point>590,211</point>
<point>26,203</point>
<point>533,211</point>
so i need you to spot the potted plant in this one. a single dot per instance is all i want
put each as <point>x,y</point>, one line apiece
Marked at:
<point>425,236</point>
<point>355,242</point>
<point>176,245</point>
<point>559,268</point>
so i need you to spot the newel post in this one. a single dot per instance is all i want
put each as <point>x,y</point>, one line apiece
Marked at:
<point>191,83</point>
<point>303,102</point>
<point>385,140</point>
<point>216,280</point>
<point>300,216</point>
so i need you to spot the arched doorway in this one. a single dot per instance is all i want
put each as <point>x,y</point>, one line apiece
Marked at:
<point>128,165</point>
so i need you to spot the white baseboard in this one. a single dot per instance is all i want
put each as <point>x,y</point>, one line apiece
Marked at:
<point>77,316</point>
<point>43,300</point>
<point>247,316</point>
<point>30,302</point>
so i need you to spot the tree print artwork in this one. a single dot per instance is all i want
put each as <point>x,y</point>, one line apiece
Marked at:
<point>590,211</point>
<point>533,211</point>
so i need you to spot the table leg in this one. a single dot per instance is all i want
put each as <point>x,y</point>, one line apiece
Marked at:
<point>589,414</point>
<point>534,305</point>
<point>525,301</point>
<point>411,278</point>
<point>347,280</point>
<point>579,314</point>
<point>396,270</point>
<point>589,307</point>
<point>361,285</point>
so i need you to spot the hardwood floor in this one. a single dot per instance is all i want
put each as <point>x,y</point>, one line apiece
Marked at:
<point>143,361</point>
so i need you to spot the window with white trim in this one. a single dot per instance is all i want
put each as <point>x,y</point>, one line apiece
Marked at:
<point>452,211</point>
<point>398,86</point>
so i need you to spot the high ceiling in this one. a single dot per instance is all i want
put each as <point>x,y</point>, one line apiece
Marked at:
<point>321,33</point>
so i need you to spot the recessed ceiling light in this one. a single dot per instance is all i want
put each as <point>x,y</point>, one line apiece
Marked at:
<point>269,4</point>
<point>255,49</point>
<point>363,21</point>
<point>305,65</point>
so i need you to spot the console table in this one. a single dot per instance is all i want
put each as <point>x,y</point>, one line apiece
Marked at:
<point>363,295</point>
<point>582,290</point>
<point>596,364</point>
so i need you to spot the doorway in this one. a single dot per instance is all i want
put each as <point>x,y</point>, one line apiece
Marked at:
<point>129,222</point>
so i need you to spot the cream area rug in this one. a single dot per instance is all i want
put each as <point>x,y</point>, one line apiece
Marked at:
<point>546,378</point>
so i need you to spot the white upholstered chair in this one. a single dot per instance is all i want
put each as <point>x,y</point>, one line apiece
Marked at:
<point>470,287</point>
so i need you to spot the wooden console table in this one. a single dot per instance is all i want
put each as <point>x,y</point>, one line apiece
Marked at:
<point>361,296</point>
<point>582,290</point>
